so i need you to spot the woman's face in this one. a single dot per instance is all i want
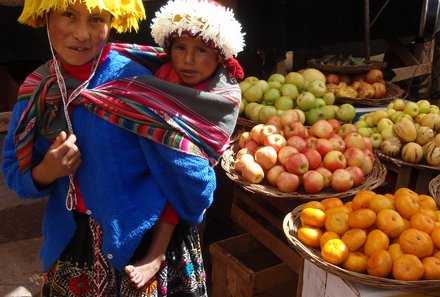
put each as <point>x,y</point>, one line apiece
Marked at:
<point>193,60</point>
<point>78,35</point>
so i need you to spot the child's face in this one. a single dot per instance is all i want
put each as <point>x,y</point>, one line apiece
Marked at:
<point>193,61</point>
<point>78,35</point>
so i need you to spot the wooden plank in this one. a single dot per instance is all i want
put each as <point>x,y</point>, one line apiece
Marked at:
<point>5,118</point>
<point>408,72</point>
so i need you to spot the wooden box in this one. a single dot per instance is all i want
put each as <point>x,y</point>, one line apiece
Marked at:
<point>242,267</point>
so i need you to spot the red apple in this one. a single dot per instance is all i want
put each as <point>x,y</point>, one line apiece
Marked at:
<point>289,116</point>
<point>294,129</point>
<point>273,173</point>
<point>368,143</point>
<point>241,162</point>
<point>276,141</point>
<point>323,146</point>
<point>255,133</point>
<point>313,182</point>
<point>334,160</point>
<point>285,152</point>
<point>321,129</point>
<point>354,139</point>
<point>367,166</point>
<point>338,144</point>
<point>369,154</point>
<point>244,137</point>
<point>335,124</point>
<point>357,174</point>
<point>251,145</point>
<point>275,120</point>
<point>346,128</point>
<point>244,151</point>
<point>297,142</point>
<point>252,172</point>
<point>314,157</point>
<point>354,156</point>
<point>268,130</point>
<point>266,156</point>
<point>326,174</point>
<point>332,78</point>
<point>287,182</point>
<point>341,180</point>
<point>297,163</point>
<point>311,141</point>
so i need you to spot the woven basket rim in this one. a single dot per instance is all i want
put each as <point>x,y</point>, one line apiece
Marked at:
<point>372,181</point>
<point>291,224</point>
<point>346,69</point>
<point>393,92</point>
<point>400,162</point>
<point>434,188</point>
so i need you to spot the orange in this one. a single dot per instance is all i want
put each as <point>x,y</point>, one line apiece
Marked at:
<point>416,242</point>
<point>390,222</point>
<point>406,202</point>
<point>313,217</point>
<point>337,222</point>
<point>334,251</point>
<point>422,222</point>
<point>395,251</point>
<point>331,202</point>
<point>435,236</point>
<point>408,268</point>
<point>361,199</point>
<point>310,236</point>
<point>349,205</point>
<point>389,196</point>
<point>314,204</point>
<point>362,218</point>
<point>327,235</point>
<point>379,202</point>
<point>436,254</point>
<point>356,261</point>
<point>431,267</point>
<point>354,239</point>
<point>376,240</point>
<point>379,263</point>
<point>343,208</point>
<point>430,213</point>
<point>427,201</point>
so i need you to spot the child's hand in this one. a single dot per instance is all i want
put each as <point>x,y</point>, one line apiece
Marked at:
<point>62,159</point>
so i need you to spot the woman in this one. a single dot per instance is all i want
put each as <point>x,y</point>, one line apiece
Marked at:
<point>104,146</point>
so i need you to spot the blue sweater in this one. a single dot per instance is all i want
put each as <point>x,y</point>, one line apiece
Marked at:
<point>125,179</point>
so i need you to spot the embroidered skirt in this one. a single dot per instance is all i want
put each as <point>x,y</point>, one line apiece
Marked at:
<point>82,270</point>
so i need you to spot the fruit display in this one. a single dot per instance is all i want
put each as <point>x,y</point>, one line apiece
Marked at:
<point>289,155</point>
<point>394,235</point>
<point>405,130</point>
<point>369,85</point>
<point>305,91</point>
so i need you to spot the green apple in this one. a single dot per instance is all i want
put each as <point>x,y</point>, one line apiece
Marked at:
<point>306,101</point>
<point>346,112</point>
<point>328,111</point>
<point>302,115</point>
<point>369,119</point>
<point>289,90</point>
<point>244,85</point>
<point>320,102</point>
<point>262,84</point>
<point>243,104</point>
<point>411,108</point>
<point>274,84</point>
<point>266,112</point>
<point>387,133</point>
<point>329,98</point>
<point>254,112</point>
<point>295,78</point>
<point>277,77</point>
<point>316,87</point>
<point>399,104</point>
<point>396,116</point>
<point>434,109</point>
<point>253,94</point>
<point>424,106</point>
<point>378,115</point>
<point>311,74</point>
<point>361,123</point>
<point>376,140</point>
<point>248,108</point>
<point>313,115</point>
<point>283,103</point>
<point>384,123</point>
<point>365,131</point>
<point>390,105</point>
<point>390,111</point>
<point>251,79</point>
<point>271,95</point>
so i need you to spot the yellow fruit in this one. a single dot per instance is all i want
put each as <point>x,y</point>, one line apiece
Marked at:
<point>412,152</point>
<point>310,236</point>
<point>334,251</point>
<point>405,130</point>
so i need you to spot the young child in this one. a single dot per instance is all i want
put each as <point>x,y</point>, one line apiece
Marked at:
<point>200,38</point>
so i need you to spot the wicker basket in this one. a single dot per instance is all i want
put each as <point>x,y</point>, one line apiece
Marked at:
<point>372,181</point>
<point>345,69</point>
<point>291,224</point>
<point>400,162</point>
<point>434,188</point>
<point>393,92</point>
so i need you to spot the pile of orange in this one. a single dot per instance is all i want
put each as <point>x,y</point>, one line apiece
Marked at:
<point>392,235</point>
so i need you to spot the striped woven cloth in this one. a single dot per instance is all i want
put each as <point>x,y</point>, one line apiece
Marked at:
<point>192,121</point>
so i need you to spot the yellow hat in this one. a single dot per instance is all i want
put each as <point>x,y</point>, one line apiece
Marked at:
<point>126,13</point>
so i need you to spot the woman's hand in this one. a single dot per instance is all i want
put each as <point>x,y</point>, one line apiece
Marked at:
<point>62,159</point>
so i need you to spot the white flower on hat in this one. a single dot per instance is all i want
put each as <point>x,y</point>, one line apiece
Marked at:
<point>204,18</point>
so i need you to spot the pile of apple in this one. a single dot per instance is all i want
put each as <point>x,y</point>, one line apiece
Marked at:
<point>287,154</point>
<point>369,85</point>
<point>405,129</point>
<point>305,91</point>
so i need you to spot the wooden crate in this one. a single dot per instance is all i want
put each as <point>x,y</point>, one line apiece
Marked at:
<point>242,267</point>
